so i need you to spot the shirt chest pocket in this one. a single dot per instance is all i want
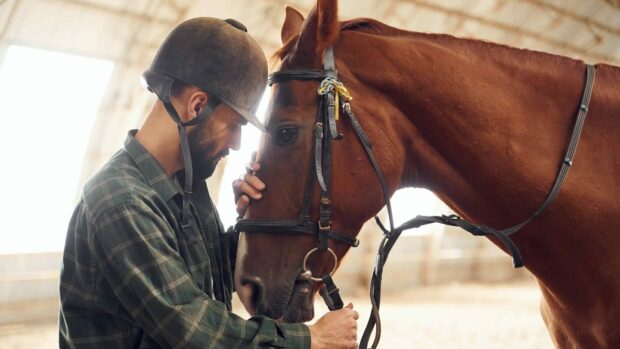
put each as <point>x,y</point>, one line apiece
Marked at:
<point>192,248</point>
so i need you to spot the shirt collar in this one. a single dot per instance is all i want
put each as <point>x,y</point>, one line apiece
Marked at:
<point>155,175</point>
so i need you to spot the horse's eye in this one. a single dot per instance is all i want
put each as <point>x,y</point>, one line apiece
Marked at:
<point>286,135</point>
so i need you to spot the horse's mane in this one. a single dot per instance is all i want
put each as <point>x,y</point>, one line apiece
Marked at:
<point>374,27</point>
<point>358,24</point>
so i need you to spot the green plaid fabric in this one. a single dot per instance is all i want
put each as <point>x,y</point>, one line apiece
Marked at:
<point>132,278</point>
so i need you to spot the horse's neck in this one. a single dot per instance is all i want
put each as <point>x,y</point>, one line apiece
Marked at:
<point>487,124</point>
<point>486,128</point>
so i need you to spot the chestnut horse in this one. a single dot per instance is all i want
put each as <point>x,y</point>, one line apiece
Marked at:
<point>483,126</point>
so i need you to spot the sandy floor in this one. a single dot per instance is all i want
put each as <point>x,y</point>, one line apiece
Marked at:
<point>477,316</point>
<point>463,316</point>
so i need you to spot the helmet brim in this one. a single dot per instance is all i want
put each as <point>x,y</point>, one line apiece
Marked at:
<point>161,84</point>
<point>250,117</point>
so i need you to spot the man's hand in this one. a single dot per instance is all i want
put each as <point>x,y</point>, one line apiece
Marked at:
<point>247,187</point>
<point>336,329</point>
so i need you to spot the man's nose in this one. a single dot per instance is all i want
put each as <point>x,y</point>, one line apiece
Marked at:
<point>235,141</point>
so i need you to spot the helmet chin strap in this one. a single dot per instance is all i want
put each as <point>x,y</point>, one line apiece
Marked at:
<point>185,151</point>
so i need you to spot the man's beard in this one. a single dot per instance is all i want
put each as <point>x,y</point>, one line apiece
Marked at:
<point>202,147</point>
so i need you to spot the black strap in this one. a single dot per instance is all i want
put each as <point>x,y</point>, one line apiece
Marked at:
<point>374,320</point>
<point>212,103</point>
<point>325,201</point>
<point>187,159</point>
<point>189,176</point>
<point>318,154</point>
<point>570,152</point>
<point>304,215</point>
<point>330,293</point>
<point>287,227</point>
<point>330,116</point>
<point>299,74</point>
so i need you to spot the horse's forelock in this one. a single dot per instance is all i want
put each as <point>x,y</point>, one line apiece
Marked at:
<point>283,51</point>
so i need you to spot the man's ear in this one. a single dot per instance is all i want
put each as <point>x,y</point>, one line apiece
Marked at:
<point>292,24</point>
<point>196,103</point>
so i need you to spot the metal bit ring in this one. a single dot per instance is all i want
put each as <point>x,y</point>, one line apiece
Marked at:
<point>315,279</point>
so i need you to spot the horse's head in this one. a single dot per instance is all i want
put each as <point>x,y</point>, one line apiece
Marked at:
<point>270,266</point>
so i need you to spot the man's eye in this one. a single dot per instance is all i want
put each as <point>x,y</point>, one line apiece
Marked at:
<point>286,135</point>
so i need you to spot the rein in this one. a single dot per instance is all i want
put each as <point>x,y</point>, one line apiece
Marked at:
<point>335,97</point>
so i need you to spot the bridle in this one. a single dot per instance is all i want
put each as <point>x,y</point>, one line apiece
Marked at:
<point>335,97</point>
<point>324,132</point>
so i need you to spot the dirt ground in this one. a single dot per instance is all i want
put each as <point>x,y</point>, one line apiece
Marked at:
<point>457,316</point>
<point>463,316</point>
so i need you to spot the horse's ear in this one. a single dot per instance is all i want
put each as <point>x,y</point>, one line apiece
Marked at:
<point>292,24</point>
<point>319,32</point>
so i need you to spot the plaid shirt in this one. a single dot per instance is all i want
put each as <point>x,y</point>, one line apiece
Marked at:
<point>132,278</point>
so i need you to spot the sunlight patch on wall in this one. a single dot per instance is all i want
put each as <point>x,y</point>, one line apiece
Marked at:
<point>48,104</point>
<point>410,202</point>
<point>235,165</point>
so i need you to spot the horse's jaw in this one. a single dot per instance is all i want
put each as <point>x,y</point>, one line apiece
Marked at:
<point>301,306</point>
<point>294,307</point>
<point>288,304</point>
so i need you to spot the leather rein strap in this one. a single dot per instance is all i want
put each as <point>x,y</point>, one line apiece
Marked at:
<point>324,132</point>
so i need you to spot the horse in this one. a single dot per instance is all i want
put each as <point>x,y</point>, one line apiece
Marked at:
<point>483,126</point>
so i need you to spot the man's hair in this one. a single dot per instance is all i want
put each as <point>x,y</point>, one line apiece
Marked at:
<point>177,88</point>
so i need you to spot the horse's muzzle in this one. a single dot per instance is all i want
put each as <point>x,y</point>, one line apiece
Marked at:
<point>252,294</point>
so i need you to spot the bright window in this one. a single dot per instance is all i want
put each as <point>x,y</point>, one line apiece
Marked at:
<point>48,103</point>
<point>410,202</point>
<point>235,165</point>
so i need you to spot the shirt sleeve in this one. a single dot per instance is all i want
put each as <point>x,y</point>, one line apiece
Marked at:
<point>138,256</point>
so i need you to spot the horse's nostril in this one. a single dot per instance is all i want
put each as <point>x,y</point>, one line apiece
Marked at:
<point>256,292</point>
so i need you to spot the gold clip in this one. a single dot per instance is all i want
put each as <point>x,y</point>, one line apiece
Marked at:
<point>343,92</point>
<point>336,107</point>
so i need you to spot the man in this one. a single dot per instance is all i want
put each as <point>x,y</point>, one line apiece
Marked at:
<point>146,261</point>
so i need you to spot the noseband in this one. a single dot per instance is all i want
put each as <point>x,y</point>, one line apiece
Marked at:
<point>335,97</point>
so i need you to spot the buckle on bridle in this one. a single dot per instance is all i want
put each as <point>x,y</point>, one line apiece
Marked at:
<point>325,227</point>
